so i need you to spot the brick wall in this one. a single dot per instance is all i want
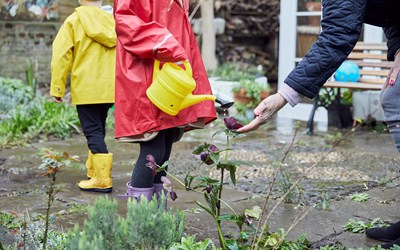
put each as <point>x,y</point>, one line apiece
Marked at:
<point>23,42</point>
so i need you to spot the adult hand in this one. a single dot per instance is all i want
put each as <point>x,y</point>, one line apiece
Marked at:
<point>264,111</point>
<point>57,99</point>
<point>394,71</point>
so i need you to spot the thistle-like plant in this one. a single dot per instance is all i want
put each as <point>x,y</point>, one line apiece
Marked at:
<point>52,162</point>
<point>211,155</point>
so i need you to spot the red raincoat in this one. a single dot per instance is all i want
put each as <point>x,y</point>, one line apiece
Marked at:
<point>149,29</point>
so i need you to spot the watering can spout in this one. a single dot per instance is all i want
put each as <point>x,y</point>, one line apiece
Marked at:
<point>193,99</point>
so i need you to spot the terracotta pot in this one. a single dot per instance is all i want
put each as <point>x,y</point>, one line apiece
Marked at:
<point>264,94</point>
<point>241,97</point>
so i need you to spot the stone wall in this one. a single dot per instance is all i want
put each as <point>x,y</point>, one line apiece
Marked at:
<point>22,43</point>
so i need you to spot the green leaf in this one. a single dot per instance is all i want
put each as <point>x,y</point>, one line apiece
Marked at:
<point>208,210</point>
<point>232,244</point>
<point>254,212</point>
<point>228,217</point>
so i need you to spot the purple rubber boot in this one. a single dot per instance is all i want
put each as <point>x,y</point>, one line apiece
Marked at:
<point>137,193</point>
<point>158,191</point>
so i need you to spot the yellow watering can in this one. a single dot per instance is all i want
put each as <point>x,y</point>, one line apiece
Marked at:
<point>172,87</point>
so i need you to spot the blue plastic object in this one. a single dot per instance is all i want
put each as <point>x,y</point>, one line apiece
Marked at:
<point>347,72</point>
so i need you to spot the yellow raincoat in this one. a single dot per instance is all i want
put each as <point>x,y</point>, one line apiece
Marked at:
<point>85,47</point>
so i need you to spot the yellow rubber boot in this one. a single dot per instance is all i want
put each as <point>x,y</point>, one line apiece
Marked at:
<point>89,165</point>
<point>101,180</point>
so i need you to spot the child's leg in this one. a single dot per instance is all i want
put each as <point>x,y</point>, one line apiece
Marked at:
<point>93,118</point>
<point>142,176</point>
<point>170,135</point>
<point>99,164</point>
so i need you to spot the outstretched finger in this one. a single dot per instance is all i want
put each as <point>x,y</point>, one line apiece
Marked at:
<point>253,125</point>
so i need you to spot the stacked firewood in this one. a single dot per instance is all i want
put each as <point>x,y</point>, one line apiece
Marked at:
<point>251,27</point>
<point>251,31</point>
<point>249,17</point>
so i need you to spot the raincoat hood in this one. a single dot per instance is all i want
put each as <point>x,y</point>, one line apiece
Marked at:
<point>98,24</point>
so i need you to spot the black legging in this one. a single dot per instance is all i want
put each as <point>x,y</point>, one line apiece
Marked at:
<point>93,121</point>
<point>160,147</point>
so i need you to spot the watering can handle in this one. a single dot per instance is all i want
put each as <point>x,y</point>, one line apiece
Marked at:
<point>188,68</point>
<point>156,68</point>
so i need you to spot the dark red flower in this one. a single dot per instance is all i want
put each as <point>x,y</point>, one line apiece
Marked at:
<point>205,157</point>
<point>152,164</point>
<point>213,148</point>
<point>208,189</point>
<point>167,184</point>
<point>231,123</point>
<point>173,195</point>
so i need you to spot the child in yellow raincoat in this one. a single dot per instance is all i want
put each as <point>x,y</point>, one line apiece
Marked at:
<point>85,48</point>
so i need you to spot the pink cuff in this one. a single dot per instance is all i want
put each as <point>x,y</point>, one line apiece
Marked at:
<point>291,95</point>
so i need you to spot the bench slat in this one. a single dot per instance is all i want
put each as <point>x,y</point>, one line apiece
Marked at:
<point>386,65</point>
<point>353,85</point>
<point>372,80</point>
<point>359,55</point>
<point>372,72</point>
<point>371,46</point>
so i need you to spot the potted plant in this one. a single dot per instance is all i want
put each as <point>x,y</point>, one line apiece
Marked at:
<point>339,107</point>
<point>247,95</point>
<point>228,76</point>
<point>250,92</point>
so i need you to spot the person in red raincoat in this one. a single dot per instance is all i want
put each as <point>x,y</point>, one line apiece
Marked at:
<point>148,30</point>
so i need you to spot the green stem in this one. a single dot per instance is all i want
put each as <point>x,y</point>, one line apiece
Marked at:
<point>199,192</point>
<point>24,231</point>
<point>180,182</point>
<point>227,147</point>
<point>176,179</point>
<point>50,200</point>
<point>220,235</point>
<point>221,182</point>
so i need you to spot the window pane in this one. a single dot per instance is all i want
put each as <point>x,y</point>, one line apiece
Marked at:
<point>306,34</point>
<point>307,5</point>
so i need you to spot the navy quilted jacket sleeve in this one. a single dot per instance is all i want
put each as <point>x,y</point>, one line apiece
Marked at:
<point>341,27</point>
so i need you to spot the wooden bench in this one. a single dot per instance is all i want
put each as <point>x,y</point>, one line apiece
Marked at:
<point>374,68</point>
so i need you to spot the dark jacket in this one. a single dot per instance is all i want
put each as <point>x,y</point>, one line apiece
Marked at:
<point>341,28</point>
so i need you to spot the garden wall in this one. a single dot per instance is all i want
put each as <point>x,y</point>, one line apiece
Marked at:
<point>24,42</point>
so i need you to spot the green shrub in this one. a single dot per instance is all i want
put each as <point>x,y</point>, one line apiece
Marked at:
<point>146,226</point>
<point>236,72</point>
<point>14,92</point>
<point>39,117</point>
<point>190,243</point>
